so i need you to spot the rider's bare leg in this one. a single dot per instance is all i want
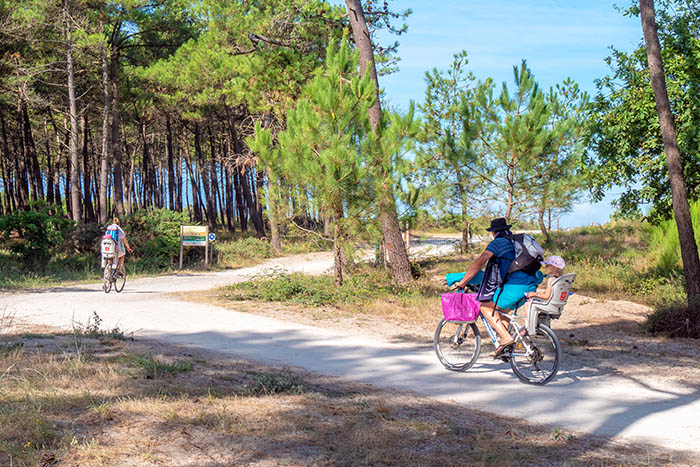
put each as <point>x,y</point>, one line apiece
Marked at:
<point>488,309</point>
<point>121,264</point>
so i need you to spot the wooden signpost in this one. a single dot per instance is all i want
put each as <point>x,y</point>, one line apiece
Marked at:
<point>194,235</point>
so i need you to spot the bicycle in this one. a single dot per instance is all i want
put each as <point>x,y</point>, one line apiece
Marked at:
<point>111,276</point>
<point>535,353</point>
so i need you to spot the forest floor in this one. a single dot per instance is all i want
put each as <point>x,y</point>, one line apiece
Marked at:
<point>88,396</point>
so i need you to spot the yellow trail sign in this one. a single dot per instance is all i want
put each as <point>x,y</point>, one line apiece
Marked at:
<point>194,235</point>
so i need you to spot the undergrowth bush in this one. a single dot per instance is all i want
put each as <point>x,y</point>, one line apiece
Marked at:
<point>364,285</point>
<point>675,319</point>
<point>155,237</point>
<point>35,235</point>
<point>240,251</point>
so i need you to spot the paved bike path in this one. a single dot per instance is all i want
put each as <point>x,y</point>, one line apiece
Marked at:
<point>575,400</point>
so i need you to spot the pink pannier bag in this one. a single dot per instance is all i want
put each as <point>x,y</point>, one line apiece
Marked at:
<point>460,306</point>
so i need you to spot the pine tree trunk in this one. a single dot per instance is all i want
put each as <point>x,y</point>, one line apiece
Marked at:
<point>213,180</point>
<point>326,223</point>
<point>4,196</point>
<point>87,183</point>
<point>130,183</point>
<point>398,256</point>
<point>681,209</point>
<point>147,192</point>
<point>9,190</point>
<point>21,189</point>
<point>178,190</point>
<point>543,227</point>
<point>197,213</point>
<point>250,204</point>
<point>240,204</point>
<point>464,244</point>
<point>202,165</point>
<point>73,112</point>
<point>273,211</point>
<point>171,168</point>
<point>221,208</point>
<point>246,191</point>
<point>68,193</point>
<point>364,45</point>
<point>57,164</point>
<point>30,153</point>
<point>338,239</point>
<point>118,187</point>
<point>104,159</point>
<point>229,200</point>
<point>259,188</point>
<point>49,165</point>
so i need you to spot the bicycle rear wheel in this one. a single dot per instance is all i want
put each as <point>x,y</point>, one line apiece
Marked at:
<point>107,278</point>
<point>457,345</point>
<point>540,363</point>
<point>119,281</point>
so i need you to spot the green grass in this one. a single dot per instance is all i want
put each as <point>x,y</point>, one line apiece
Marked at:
<point>154,368</point>
<point>364,285</point>
<point>266,383</point>
<point>665,244</point>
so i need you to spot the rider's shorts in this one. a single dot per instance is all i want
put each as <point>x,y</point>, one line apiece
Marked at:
<point>507,296</point>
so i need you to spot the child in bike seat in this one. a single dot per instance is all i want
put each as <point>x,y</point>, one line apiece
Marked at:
<point>553,269</point>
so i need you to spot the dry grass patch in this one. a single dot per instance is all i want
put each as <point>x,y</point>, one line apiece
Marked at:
<point>99,404</point>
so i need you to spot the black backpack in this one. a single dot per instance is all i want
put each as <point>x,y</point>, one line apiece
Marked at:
<point>528,254</point>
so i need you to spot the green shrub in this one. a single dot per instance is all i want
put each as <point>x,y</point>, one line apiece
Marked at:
<point>155,236</point>
<point>87,237</point>
<point>35,235</point>
<point>362,286</point>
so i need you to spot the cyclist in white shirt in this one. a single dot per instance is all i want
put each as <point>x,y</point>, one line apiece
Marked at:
<point>119,236</point>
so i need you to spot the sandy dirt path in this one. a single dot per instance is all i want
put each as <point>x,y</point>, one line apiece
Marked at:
<point>605,404</point>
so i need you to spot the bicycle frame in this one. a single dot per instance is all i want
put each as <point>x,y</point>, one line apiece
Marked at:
<point>517,337</point>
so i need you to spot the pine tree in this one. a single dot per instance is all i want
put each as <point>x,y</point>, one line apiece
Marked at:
<point>320,146</point>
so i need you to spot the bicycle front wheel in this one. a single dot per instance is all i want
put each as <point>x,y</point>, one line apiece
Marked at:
<point>535,358</point>
<point>119,281</point>
<point>457,345</point>
<point>107,278</point>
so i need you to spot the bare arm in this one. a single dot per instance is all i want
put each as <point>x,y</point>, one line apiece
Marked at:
<point>474,268</point>
<point>545,294</point>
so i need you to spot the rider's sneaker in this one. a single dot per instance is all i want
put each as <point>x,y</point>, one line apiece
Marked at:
<point>120,274</point>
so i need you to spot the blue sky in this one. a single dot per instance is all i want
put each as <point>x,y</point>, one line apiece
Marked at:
<point>559,39</point>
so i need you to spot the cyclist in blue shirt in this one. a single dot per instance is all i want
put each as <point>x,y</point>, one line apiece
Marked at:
<point>498,288</point>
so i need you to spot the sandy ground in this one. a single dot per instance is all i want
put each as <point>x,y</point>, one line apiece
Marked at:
<point>613,381</point>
